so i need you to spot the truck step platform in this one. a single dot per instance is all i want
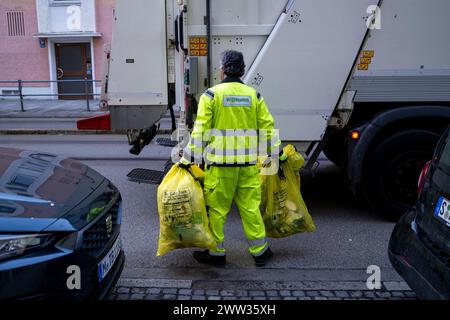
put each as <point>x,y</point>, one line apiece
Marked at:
<point>146,176</point>
<point>167,142</point>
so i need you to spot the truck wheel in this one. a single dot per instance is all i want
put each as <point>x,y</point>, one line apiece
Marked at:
<point>393,170</point>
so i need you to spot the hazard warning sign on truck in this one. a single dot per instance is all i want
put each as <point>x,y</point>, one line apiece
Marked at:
<point>366,59</point>
<point>198,46</point>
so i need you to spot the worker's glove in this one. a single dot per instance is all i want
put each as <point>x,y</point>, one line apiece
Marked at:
<point>281,172</point>
<point>184,163</point>
<point>185,166</point>
<point>282,157</point>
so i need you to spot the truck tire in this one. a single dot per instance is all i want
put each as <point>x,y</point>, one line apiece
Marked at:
<point>393,169</point>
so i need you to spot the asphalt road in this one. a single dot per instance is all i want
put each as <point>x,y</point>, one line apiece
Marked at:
<point>348,239</point>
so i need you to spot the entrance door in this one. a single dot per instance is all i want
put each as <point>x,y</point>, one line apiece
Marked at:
<point>73,62</point>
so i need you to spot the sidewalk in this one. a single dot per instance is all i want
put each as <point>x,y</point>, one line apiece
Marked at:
<point>208,283</point>
<point>127,291</point>
<point>10,108</point>
<point>52,116</point>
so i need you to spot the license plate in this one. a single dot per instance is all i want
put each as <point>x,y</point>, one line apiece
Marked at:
<point>442,210</point>
<point>108,261</point>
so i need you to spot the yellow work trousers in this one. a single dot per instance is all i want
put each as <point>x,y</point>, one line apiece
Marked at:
<point>223,185</point>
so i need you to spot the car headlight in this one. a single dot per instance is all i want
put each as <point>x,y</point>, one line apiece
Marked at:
<point>15,245</point>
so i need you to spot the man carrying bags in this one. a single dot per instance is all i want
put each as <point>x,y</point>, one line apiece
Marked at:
<point>231,116</point>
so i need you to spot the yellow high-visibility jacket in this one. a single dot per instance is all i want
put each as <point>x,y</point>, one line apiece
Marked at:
<point>233,127</point>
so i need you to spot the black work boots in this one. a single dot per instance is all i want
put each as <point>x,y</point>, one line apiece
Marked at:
<point>206,258</point>
<point>262,259</point>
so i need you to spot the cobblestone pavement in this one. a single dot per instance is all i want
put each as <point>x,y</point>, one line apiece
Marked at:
<point>389,291</point>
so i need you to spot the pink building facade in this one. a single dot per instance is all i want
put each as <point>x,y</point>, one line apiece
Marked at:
<point>53,40</point>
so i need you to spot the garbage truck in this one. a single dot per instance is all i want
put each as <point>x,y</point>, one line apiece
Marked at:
<point>366,82</point>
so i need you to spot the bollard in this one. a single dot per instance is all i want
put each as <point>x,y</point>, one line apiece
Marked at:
<point>86,92</point>
<point>19,86</point>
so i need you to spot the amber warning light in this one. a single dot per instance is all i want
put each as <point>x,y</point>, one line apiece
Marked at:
<point>355,135</point>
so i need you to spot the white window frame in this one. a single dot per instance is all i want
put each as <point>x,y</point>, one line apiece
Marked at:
<point>62,3</point>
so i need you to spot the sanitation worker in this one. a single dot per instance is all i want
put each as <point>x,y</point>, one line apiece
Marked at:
<point>232,120</point>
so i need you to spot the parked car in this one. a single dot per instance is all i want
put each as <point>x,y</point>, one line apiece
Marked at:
<point>59,228</point>
<point>419,248</point>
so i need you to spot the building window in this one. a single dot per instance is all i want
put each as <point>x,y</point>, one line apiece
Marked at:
<point>16,23</point>
<point>64,2</point>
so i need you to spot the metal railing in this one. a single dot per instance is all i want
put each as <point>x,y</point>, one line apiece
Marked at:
<point>86,94</point>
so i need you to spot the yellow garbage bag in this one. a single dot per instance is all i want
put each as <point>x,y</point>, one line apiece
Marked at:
<point>282,206</point>
<point>183,221</point>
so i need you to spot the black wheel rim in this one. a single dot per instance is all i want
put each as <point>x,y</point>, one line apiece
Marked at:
<point>401,177</point>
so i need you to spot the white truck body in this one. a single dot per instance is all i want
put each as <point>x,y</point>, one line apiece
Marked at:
<point>299,54</point>
<point>137,81</point>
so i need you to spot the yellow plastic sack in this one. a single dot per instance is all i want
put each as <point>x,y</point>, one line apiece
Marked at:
<point>282,206</point>
<point>183,221</point>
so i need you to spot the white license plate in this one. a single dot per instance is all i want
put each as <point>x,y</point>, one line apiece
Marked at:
<point>442,210</point>
<point>108,261</point>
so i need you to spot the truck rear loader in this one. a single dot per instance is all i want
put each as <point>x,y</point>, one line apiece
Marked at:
<point>367,82</point>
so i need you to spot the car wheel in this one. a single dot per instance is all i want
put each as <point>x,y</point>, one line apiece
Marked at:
<point>393,169</point>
